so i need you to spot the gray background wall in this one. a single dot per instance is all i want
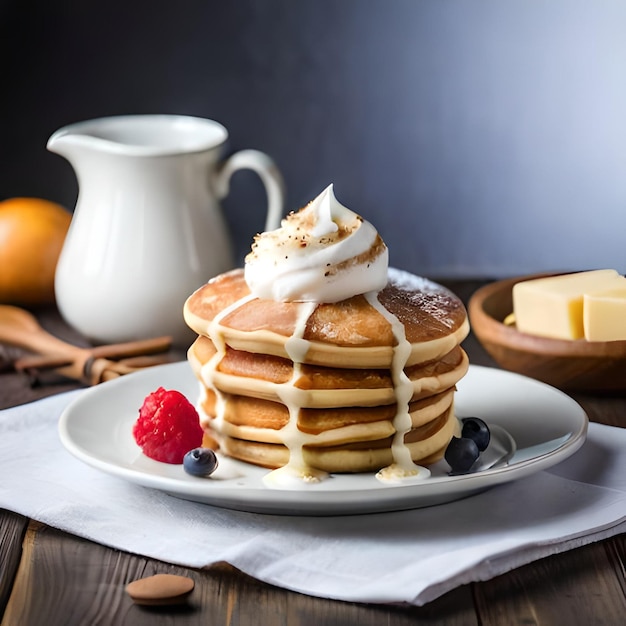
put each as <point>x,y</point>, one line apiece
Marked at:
<point>482,137</point>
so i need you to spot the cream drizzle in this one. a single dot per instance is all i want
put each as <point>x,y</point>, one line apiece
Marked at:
<point>296,469</point>
<point>403,465</point>
<point>210,367</point>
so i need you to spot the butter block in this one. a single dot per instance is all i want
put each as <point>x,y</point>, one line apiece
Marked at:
<point>553,306</point>
<point>604,315</point>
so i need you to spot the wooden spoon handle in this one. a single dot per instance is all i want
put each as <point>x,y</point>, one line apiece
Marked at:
<point>21,329</point>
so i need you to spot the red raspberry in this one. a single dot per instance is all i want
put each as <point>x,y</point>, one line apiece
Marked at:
<point>168,426</point>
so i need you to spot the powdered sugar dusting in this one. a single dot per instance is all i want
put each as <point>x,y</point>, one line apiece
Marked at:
<point>432,298</point>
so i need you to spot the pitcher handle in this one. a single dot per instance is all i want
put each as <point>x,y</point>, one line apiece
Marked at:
<point>269,174</point>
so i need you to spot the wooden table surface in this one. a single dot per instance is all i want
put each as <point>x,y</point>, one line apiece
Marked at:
<point>48,577</point>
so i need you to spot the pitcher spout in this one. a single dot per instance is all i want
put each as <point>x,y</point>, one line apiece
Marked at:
<point>68,143</point>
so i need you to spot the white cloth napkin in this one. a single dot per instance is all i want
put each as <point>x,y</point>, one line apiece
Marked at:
<point>410,556</point>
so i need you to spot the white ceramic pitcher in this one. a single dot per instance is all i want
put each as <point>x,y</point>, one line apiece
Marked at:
<point>147,229</point>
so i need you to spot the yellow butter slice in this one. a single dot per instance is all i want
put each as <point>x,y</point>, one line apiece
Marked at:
<point>553,306</point>
<point>604,315</point>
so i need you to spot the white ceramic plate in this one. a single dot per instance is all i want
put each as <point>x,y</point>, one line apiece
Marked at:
<point>547,426</point>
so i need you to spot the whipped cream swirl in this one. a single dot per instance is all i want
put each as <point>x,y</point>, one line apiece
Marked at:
<point>322,253</point>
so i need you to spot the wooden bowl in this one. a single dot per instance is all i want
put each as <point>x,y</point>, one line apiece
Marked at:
<point>576,365</point>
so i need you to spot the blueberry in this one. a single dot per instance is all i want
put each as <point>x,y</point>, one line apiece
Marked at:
<point>461,453</point>
<point>474,428</point>
<point>200,462</point>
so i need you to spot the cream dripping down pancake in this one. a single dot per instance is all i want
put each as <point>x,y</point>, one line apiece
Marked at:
<point>318,358</point>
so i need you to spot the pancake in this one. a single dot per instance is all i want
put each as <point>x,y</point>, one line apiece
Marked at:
<point>317,387</point>
<point>427,445</point>
<point>334,387</point>
<point>351,333</point>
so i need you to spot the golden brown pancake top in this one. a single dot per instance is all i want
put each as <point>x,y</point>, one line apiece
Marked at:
<point>428,311</point>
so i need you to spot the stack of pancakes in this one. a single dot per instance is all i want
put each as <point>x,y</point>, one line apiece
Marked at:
<point>326,382</point>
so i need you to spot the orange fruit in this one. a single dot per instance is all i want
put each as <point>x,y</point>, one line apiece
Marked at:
<point>32,233</point>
